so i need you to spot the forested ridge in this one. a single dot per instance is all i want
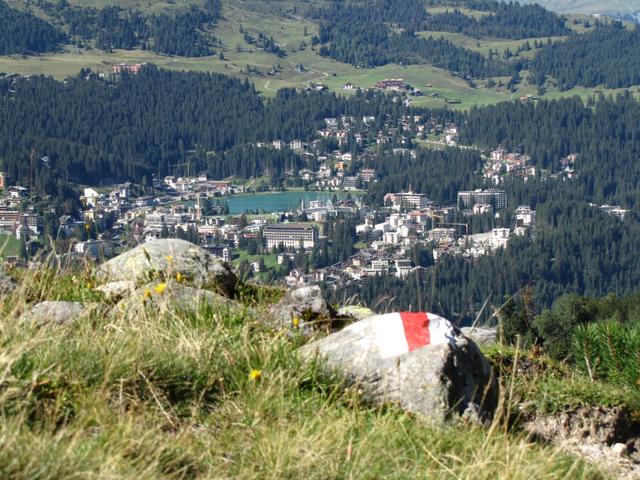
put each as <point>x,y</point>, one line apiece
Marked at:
<point>24,33</point>
<point>94,130</point>
<point>504,20</point>
<point>359,33</point>
<point>181,32</point>
<point>608,56</point>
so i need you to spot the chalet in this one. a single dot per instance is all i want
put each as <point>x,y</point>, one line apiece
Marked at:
<point>393,84</point>
<point>125,67</point>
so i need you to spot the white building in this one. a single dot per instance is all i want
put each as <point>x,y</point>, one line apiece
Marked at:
<point>497,198</point>
<point>525,217</point>
<point>291,235</point>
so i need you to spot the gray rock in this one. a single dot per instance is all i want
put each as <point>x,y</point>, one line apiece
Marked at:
<point>7,284</point>
<point>481,335</point>
<point>446,377</point>
<point>166,258</point>
<point>115,291</point>
<point>302,307</point>
<point>356,312</point>
<point>170,297</point>
<point>55,313</point>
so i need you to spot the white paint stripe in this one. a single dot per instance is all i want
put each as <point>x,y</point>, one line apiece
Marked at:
<point>389,333</point>
<point>441,330</point>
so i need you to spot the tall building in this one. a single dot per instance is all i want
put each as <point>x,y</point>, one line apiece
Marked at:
<point>408,200</point>
<point>497,198</point>
<point>291,235</point>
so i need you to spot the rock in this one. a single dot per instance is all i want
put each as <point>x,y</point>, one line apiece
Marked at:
<point>58,313</point>
<point>619,449</point>
<point>482,335</point>
<point>420,362</point>
<point>303,307</point>
<point>115,291</point>
<point>159,259</point>
<point>7,284</point>
<point>355,311</point>
<point>169,297</point>
<point>604,425</point>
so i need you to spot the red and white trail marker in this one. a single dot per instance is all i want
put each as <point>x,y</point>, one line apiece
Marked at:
<point>399,333</point>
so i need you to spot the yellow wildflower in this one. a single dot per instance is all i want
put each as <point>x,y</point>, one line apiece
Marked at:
<point>160,288</point>
<point>255,374</point>
<point>169,258</point>
<point>296,322</point>
<point>179,277</point>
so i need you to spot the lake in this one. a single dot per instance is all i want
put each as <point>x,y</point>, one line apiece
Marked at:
<point>277,201</point>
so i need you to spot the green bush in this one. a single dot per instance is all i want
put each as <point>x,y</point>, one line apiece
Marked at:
<point>608,350</point>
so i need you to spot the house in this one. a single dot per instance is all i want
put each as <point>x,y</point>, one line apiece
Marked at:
<point>393,84</point>
<point>350,183</point>
<point>125,67</point>
<point>17,191</point>
<point>94,248</point>
<point>367,174</point>
<point>348,86</point>
<point>525,217</point>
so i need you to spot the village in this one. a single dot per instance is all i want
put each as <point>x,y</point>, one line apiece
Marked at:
<point>279,241</point>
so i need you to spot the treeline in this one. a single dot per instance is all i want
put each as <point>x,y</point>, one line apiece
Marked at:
<point>24,33</point>
<point>93,131</point>
<point>359,33</point>
<point>505,20</point>
<point>608,56</point>
<point>180,33</point>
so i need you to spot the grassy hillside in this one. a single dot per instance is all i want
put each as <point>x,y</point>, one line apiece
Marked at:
<point>611,7</point>
<point>214,394</point>
<point>282,20</point>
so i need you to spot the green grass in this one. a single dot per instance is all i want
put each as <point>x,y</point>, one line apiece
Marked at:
<point>9,246</point>
<point>171,397</point>
<point>270,260</point>
<point>545,386</point>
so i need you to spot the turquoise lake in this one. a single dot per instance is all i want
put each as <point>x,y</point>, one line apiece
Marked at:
<point>276,201</point>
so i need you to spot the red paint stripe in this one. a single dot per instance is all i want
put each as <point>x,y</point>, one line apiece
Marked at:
<point>416,329</point>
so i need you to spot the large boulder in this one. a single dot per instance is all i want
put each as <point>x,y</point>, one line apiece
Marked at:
<point>169,297</point>
<point>55,313</point>
<point>160,259</point>
<point>418,361</point>
<point>302,307</point>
